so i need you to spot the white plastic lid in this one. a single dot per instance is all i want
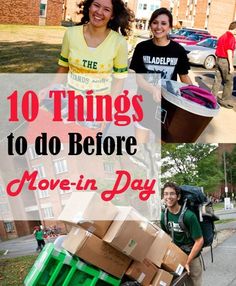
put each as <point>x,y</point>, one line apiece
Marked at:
<point>181,102</point>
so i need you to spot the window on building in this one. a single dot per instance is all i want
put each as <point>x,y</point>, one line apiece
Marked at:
<point>32,153</point>
<point>43,194</point>
<point>41,171</point>
<point>43,8</point>
<point>9,226</point>
<point>60,166</point>
<point>108,167</point>
<point>2,191</point>
<point>145,6</point>
<point>47,212</point>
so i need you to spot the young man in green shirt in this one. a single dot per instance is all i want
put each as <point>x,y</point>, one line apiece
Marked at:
<point>192,242</point>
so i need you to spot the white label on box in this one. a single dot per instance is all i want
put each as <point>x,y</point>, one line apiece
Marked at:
<point>162,283</point>
<point>130,246</point>
<point>141,278</point>
<point>179,270</point>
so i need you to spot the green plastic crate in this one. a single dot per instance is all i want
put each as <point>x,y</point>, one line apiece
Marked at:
<point>56,267</point>
<point>48,266</point>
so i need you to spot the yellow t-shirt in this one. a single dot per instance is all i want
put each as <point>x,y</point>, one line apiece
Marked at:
<point>91,68</point>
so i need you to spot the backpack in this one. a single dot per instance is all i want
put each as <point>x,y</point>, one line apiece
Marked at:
<point>199,95</point>
<point>194,199</point>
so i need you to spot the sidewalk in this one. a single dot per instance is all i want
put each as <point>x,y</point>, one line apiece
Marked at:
<point>222,128</point>
<point>222,271</point>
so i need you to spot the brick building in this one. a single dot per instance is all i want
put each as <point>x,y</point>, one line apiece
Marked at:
<point>44,206</point>
<point>32,12</point>
<point>204,14</point>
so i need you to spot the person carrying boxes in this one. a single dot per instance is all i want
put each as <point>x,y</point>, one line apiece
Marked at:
<point>191,243</point>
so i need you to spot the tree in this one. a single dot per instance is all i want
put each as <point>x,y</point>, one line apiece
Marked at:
<point>192,164</point>
<point>230,158</point>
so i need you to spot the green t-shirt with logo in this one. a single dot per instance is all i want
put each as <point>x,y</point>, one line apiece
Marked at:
<point>180,237</point>
<point>39,235</point>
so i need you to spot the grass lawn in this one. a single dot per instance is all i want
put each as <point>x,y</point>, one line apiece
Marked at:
<point>225,220</point>
<point>14,270</point>
<point>29,49</point>
<point>218,206</point>
<point>33,49</point>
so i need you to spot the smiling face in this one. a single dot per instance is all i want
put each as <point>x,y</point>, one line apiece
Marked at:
<point>160,27</point>
<point>100,13</point>
<point>170,197</point>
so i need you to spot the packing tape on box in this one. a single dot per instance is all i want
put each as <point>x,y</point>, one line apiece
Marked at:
<point>179,270</point>
<point>130,247</point>
<point>103,276</point>
<point>141,277</point>
<point>162,283</point>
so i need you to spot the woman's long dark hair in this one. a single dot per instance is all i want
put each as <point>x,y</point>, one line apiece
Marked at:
<point>122,16</point>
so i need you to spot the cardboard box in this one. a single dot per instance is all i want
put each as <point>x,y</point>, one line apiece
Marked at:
<point>143,272</point>
<point>159,247</point>
<point>95,251</point>
<point>162,278</point>
<point>131,233</point>
<point>89,211</point>
<point>174,259</point>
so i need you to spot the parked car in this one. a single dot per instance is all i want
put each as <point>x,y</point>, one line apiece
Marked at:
<point>186,32</point>
<point>193,39</point>
<point>203,53</point>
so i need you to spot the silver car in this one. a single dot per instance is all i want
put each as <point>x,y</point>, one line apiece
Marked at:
<point>203,53</point>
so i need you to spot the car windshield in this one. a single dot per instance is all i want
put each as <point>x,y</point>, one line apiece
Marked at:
<point>208,43</point>
<point>187,33</point>
<point>193,37</point>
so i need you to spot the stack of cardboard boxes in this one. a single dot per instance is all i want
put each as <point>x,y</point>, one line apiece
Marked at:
<point>121,242</point>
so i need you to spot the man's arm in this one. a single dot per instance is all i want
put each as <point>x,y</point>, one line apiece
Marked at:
<point>230,59</point>
<point>194,252</point>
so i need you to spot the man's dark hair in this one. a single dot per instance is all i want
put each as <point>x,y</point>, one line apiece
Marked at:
<point>172,186</point>
<point>122,16</point>
<point>232,25</point>
<point>161,11</point>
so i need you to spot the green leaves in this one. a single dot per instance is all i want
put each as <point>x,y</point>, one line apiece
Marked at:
<point>195,164</point>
